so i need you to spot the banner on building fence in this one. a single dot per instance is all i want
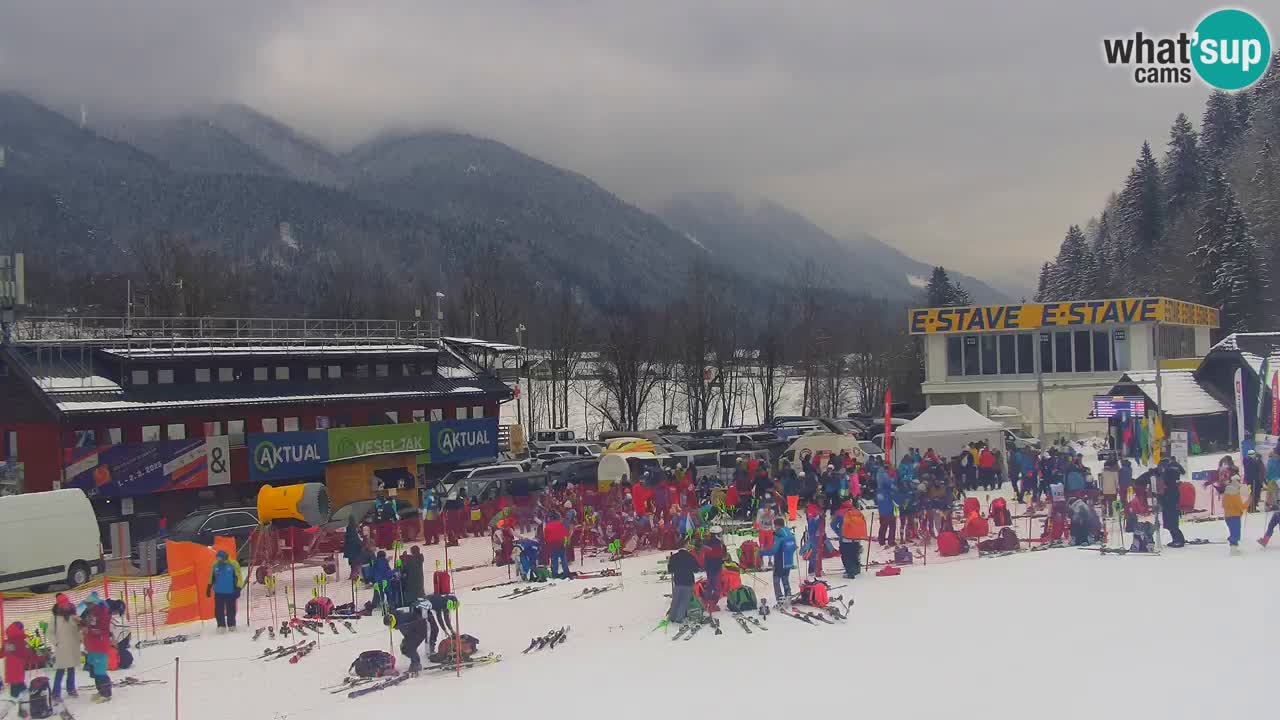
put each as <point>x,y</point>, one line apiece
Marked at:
<point>1240,434</point>
<point>287,455</point>
<point>1179,447</point>
<point>459,440</point>
<point>141,468</point>
<point>352,442</point>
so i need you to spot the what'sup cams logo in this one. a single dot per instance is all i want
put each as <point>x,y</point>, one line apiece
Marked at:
<point>1228,50</point>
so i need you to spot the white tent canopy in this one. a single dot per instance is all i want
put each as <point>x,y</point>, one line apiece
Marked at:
<point>947,429</point>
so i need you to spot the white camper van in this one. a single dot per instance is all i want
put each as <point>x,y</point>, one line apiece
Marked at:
<point>47,537</point>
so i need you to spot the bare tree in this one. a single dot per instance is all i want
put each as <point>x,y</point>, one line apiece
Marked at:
<point>568,343</point>
<point>628,367</point>
<point>771,370</point>
<point>696,329</point>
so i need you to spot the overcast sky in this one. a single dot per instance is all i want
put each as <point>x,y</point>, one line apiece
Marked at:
<point>969,134</point>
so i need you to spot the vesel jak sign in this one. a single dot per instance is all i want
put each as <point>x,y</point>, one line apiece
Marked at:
<point>380,440</point>
<point>141,468</point>
<point>287,455</point>
<point>458,440</point>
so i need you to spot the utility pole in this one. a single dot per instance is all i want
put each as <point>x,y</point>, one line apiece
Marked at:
<point>519,370</point>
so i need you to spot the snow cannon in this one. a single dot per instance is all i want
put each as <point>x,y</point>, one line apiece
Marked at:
<point>305,504</point>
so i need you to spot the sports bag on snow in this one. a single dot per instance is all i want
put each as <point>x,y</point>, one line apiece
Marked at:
<point>374,663</point>
<point>999,513</point>
<point>441,583</point>
<point>814,594</point>
<point>749,555</point>
<point>743,599</point>
<point>902,555</point>
<point>320,607</point>
<point>38,701</point>
<point>949,543</point>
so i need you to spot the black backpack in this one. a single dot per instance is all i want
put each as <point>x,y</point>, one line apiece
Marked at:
<point>374,663</point>
<point>38,699</point>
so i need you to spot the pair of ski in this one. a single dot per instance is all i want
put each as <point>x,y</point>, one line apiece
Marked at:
<point>746,621</point>
<point>383,684</point>
<point>689,629</point>
<point>521,592</point>
<point>596,575</point>
<point>294,652</point>
<point>551,639</point>
<point>166,641</point>
<point>495,585</point>
<point>130,681</point>
<point>594,591</point>
<point>1120,551</point>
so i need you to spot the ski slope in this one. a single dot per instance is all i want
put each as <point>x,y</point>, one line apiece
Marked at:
<point>1064,633</point>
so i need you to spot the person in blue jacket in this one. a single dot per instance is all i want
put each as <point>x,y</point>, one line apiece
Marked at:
<point>380,577</point>
<point>884,504</point>
<point>528,558</point>
<point>831,489</point>
<point>784,559</point>
<point>814,537</point>
<point>224,586</point>
<point>1273,476</point>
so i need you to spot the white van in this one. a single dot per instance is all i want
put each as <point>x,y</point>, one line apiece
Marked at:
<point>47,537</point>
<point>613,466</point>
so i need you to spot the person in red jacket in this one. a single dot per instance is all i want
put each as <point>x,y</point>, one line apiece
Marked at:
<point>554,536</point>
<point>987,469</point>
<point>16,654</point>
<point>95,622</point>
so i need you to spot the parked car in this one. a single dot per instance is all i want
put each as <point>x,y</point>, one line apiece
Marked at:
<point>1017,437</point>
<point>334,530</point>
<point>703,463</point>
<point>486,488</point>
<point>543,459</point>
<point>483,471</point>
<point>578,449</point>
<point>728,462</point>
<point>540,439</point>
<point>576,471</point>
<point>202,526</point>
<point>864,450</point>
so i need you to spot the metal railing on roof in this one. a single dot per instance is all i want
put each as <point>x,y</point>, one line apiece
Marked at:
<point>176,332</point>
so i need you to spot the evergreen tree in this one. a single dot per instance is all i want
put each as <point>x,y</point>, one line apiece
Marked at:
<point>1104,258</point>
<point>942,292</point>
<point>1227,266</point>
<point>1072,277</point>
<point>1042,287</point>
<point>1264,205</point>
<point>1137,230</point>
<point>1220,126</point>
<point>1183,168</point>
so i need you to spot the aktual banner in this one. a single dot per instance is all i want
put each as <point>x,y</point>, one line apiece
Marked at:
<point>287,455</point>
<point>142,468</point>
<point>458,440</point>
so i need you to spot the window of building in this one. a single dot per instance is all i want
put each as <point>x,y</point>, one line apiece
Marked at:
<point>381,370</point>
<point>1046,352</point>
<point>203,375</point>
<point>341,421</point>
<point>1083,351</point>
<point>1008,358</point>
<point>1177,341</point>
<point>477,411</point>
<point>1101,351</point>
<point>175,431</point>
<point>428,369</point>
<point>150,433</point>
<point>322,422</point>
<point>270,425</point>
<point>1062,351</point>
<point>291,424</point>
<point>86,438</point>
<point>114,436</point>
<point>260,374</point>
<point>362,372</point>
<point>226,375</point>
<point>11,445</point>
<point>419,415</point>
<point>409,369</point>
<point>972,364</point>
<point>388,417</point>
<point>140,377</point>
<point>437,414</point>
<point>988,345</point>
<point>1026,358</point>
<point>955,355</point>
<point>313,373</point>
<point>460,413</point>
<point>235,432</point>
<point>164,377</point>
<point>335,372</point>
<point>282,373</point>
<point>213,429</point>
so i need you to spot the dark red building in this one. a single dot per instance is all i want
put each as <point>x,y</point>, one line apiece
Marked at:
<point>166,399</point>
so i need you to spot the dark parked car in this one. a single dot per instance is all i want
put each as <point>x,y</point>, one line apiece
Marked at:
<point>202,526</point>
<point>334,530</point>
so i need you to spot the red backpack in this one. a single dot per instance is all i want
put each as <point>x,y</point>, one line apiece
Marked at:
<point>949,543</point>
<point>1186,497</point>
<point>1000,515</point>
<point>749,555</point>
<point>814,594</point>
<point>441,583</point>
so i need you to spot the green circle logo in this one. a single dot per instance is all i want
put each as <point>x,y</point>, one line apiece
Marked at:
<point>1232,49</point>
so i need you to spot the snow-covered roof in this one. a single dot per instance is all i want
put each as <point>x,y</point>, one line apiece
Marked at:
<point>1235,341</point>
<point>348,349</point>
<point>79,382</point>
<point>1180,392</point>
<point>115,404</point>
<point>483,344</point>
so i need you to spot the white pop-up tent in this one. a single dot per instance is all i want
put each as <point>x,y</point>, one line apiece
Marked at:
<point>947,429</point>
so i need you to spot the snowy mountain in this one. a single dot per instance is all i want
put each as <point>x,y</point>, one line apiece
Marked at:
<point>770,242</point>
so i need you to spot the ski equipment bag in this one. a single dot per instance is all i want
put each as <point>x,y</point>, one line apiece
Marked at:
<point>320,607</point>
<point>441,582</point>
<point>742,599</point>
<point>749,555</point>
<point>814,594</point>
<point>38,701</point>
<point>374,663</point>
<point>902,555</point>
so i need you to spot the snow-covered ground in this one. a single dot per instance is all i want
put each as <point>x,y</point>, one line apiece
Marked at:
<point>1065,633</point>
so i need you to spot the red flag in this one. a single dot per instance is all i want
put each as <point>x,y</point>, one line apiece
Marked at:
<point>888,424</point>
